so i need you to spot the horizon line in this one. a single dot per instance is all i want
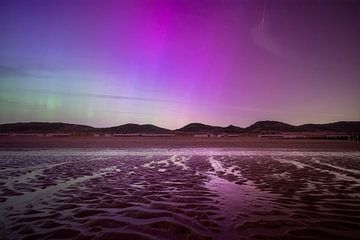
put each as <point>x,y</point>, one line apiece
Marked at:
<point>141,124</point>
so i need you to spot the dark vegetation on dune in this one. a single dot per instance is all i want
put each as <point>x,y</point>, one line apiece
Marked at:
<point>271,126</point>
<point>260,126</point>
<point>199,127</point>
<point>136,128</point>
<point>43,127</point>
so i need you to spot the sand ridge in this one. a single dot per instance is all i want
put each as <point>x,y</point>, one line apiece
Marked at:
<point>179,194</point>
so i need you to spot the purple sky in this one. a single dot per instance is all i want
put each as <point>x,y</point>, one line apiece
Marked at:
<point>170,63</point>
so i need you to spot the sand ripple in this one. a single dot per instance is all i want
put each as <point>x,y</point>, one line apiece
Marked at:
<point>188,194</point>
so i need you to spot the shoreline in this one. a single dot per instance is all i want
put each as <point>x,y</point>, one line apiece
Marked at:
<point>174,142</point>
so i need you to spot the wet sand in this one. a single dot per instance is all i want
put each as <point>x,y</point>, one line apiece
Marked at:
<point>245,141</point>
<point>179,193</point>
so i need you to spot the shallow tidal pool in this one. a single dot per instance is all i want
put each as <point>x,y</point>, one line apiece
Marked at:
<point>179,194</point>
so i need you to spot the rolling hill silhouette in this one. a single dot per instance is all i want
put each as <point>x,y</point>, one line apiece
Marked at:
<point>258,127</point>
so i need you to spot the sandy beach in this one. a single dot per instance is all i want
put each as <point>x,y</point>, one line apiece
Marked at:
<point>175,142</point>
<point>179,193</point>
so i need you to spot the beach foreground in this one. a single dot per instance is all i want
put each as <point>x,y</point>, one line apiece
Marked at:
<point>183,193</point>
<point>246,141</point>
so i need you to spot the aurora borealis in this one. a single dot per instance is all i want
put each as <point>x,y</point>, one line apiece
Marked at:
<point>169,63</point>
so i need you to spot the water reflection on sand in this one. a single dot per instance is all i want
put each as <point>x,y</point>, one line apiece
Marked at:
<point>179,194</point>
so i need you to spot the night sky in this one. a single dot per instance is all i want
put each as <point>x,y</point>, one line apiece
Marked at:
<point>169,63</point>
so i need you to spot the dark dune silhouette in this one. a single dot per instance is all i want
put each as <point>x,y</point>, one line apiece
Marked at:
<point>342,126</point>
<point>258,127</point>
<point>271,126</point>
<point>44,127</point>
<point>199,127</point>
<point>135,128</point>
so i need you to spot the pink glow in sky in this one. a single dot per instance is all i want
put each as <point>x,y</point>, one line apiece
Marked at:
<point>173,62</point>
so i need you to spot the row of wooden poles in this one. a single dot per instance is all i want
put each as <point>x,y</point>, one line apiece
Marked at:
<point>340,137</point>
